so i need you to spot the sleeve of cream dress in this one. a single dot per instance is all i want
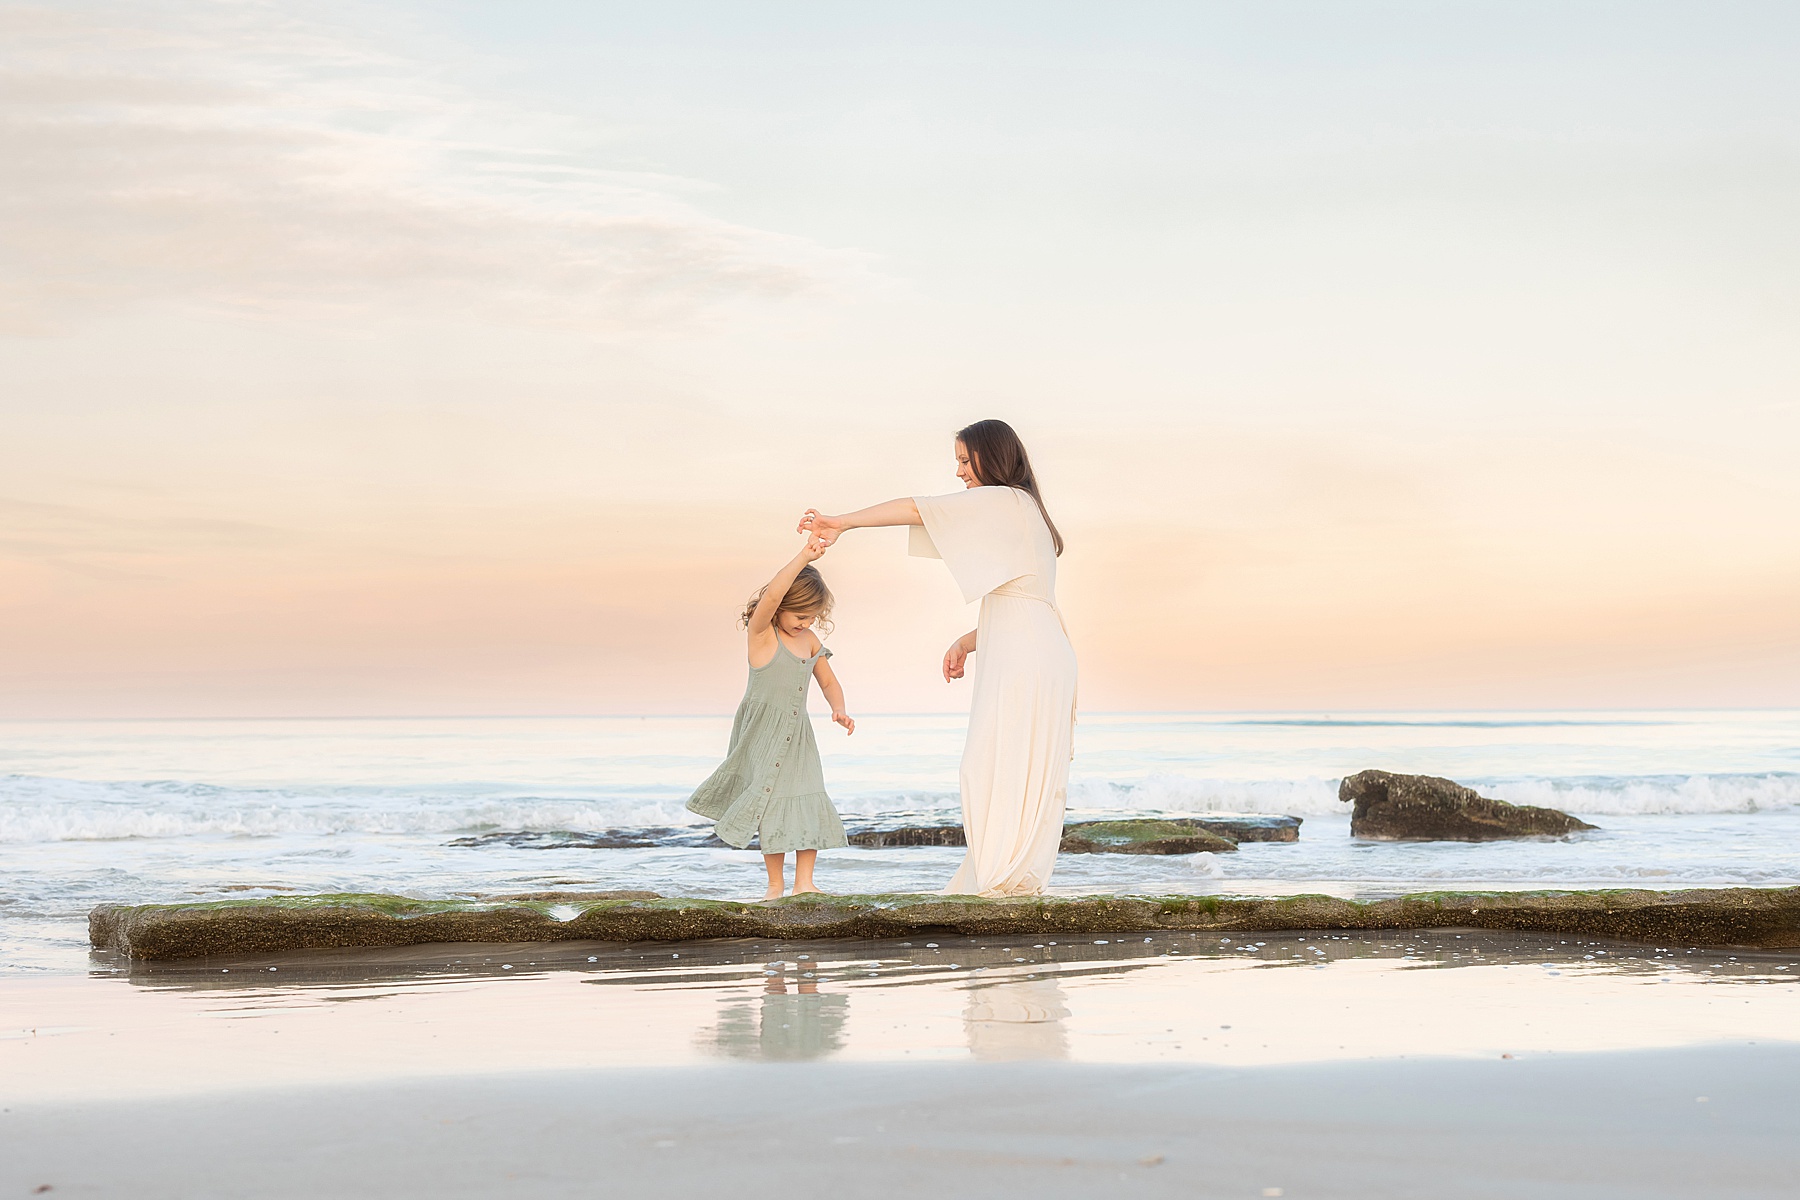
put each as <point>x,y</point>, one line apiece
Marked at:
<point>981,535</point>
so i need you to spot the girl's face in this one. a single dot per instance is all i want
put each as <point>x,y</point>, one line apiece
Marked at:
<point>965,468</point>
<point>793,624</point>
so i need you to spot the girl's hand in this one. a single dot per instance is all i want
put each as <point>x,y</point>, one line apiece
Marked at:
<point>814,549</point>
<point>843,718</point>
<point>954,658</point>
<point>825,528</point>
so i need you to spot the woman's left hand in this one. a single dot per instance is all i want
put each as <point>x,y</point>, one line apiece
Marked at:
<point>954,659</point>
<point>825,528</point>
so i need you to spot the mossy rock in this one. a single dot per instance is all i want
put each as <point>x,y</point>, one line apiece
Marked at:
<point>1142,837</point>
<point>1124,836</point>
<point>1767,918</point>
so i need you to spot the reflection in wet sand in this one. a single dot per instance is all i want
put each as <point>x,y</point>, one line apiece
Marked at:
<point>1019,1020</point>
<point>1238,999</point>
<point>780,1026</point>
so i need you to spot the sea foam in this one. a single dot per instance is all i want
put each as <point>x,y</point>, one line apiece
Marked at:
<point>1589,795</point>
<point>38,809</point>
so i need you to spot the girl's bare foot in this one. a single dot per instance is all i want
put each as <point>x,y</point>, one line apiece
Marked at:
<point>809,888</point>
<point>774,892</point>
<point>803,871</point>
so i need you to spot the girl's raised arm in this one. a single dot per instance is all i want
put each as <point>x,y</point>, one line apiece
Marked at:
<point>903,511</point>
<point>762,617</point>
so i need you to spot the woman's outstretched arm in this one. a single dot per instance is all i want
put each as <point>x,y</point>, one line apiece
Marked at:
<point>893,512</point>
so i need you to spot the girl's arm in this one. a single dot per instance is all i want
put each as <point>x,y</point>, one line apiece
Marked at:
<point>834,694</point>
<point>957,654</point>
<point>762,620</point>
<point>903,511</point>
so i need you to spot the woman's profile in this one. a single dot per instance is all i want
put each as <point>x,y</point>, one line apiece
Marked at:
<point>998,541</point>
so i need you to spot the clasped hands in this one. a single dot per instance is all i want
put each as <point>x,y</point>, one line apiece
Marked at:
<point>822,531</point>
<point>817,524</point>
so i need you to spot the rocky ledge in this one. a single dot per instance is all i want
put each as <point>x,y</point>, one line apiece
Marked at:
<point>1130,835</point>
<point>1766,918</point>
<point>1391,807</point>
<point>1142,837</point>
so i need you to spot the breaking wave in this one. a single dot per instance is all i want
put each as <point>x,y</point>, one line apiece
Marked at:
<point>34,809</point>
<point>1600,795</point>
<point>39,809</point>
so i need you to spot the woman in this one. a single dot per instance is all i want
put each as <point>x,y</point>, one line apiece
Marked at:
<point>997,539</point>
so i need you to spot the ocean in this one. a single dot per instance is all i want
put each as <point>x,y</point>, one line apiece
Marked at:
<point>160,810</point>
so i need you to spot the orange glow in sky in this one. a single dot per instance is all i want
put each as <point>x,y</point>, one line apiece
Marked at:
<point>374,360</point>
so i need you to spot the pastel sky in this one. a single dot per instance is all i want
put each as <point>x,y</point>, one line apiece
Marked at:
<point>414,358</point>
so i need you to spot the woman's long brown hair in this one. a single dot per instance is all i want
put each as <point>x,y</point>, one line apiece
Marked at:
<point>998,459</point>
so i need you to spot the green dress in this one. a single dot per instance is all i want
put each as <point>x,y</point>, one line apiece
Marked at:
<point>770,786</point>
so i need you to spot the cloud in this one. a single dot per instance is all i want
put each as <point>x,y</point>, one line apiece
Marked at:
<point>103,545</point>
<point>232,155</point>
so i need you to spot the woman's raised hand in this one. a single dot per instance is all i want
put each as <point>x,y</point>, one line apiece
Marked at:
<point>825,528</point>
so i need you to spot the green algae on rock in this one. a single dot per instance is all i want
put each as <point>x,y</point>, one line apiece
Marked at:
<point>1142,837</point>
<point>908,835</point>
<point>1130,835</point>
<point>1767,918</point>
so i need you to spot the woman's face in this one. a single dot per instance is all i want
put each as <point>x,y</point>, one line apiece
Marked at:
<point>965,470</point>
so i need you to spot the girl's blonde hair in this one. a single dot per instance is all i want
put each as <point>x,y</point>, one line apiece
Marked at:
<point>807,594</point>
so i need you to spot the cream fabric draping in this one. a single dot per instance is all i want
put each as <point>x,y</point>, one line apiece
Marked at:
<point>1015,764</point>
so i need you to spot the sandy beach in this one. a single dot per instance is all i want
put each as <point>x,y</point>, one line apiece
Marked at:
<point>1451,1064</point>
<point>1626,1125</point>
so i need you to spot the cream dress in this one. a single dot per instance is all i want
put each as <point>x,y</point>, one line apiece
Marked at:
<point>1015,764</point>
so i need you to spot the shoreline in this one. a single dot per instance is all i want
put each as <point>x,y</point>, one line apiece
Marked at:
<point>1762,918</point>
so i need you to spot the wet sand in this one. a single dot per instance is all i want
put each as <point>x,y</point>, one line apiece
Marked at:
<point>1447,1064</point>
<point>1622,1125</point>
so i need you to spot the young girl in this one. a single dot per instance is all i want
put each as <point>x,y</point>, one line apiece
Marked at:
<point>770,786</point>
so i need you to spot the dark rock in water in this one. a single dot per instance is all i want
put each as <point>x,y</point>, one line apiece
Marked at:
<point>608,839</point>
<point>1768,918</point>
<point>892,829</point>
<point>578,898</point>
<point>907,835</point>
<point>1392,807</point>
<point>1203,833</point>
<point>1141,837</point>
<point>1247,827</point>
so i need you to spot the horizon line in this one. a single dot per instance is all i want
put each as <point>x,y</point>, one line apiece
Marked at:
<point>1317,713</point>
